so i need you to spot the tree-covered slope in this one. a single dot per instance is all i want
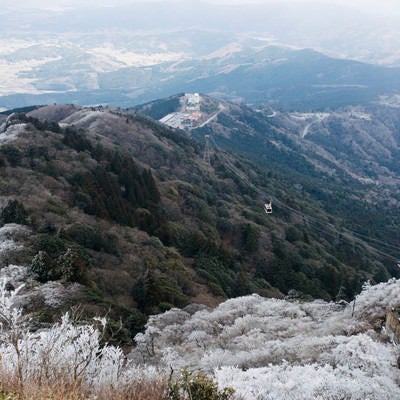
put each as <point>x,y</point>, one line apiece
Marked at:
<point>345,160</point>
<point>128,214</point>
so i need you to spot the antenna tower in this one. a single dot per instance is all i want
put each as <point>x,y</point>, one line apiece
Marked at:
<point>206,155</point>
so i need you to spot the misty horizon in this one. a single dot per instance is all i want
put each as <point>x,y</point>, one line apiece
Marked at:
<point>93,46</point>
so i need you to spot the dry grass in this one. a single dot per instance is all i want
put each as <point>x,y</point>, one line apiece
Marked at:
<point>149,390</point>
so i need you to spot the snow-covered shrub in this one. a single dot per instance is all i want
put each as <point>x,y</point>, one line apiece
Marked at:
<point>374,300</point>
<point>307,382</point>
<point>67,354</point>
<point>262,348</point>
<point>275,349</point>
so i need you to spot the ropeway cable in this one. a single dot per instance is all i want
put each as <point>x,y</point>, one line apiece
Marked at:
<point>355,236</point>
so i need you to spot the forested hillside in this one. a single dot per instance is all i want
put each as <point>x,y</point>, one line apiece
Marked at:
<point>345,160</point>
<point>126,218</point>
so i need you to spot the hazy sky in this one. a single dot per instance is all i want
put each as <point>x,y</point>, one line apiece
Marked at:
<point>383,6</point>
<point>386,6</point>
<point>376,8</point>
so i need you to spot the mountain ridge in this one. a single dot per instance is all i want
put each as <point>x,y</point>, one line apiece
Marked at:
<point>130,214</point>
<point>320,153</point>
<point>258,73</point>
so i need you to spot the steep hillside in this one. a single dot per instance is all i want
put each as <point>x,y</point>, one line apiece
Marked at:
<point>129,217</point>
<point>346,160</point>
<point>246,348</point>
<point>285,349</point>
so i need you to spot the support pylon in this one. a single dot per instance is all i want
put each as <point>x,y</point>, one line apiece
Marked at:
<point>206,155</point>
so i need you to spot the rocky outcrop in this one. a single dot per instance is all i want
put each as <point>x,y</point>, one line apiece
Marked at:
<point>393,324</point>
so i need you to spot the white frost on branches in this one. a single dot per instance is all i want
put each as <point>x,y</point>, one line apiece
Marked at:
<point>265,349</point>
<point>55,293</point>
<point>275,349</point>
<point>308,382</point>
<point>9,233</point>
<point>67,353</point>
<point>15,274</point>
<point>13,231</point>
<point>375,299</point>
<point>10,133</point>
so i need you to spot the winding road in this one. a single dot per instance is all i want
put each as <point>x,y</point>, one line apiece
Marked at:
<point>320,118</point>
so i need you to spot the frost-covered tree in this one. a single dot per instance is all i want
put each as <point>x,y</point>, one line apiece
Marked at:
<point>43,266</point>
<point>262,348</point>
<point>72,268</point>
<point>284,350</point>
<point>68,356</point>
<point>13,327</point>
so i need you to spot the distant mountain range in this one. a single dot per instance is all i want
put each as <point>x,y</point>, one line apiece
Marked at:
<point>349,31</point>
<point>125,54</point>
<point>249,72</point>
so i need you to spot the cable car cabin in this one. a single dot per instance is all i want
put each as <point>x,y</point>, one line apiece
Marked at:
<point>268,208</point>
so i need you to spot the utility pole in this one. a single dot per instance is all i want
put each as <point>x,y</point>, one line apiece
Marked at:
<point>206,155</point>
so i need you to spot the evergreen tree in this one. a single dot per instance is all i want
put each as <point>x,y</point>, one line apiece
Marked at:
<point>13,212</point>
<point>43,265</point>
